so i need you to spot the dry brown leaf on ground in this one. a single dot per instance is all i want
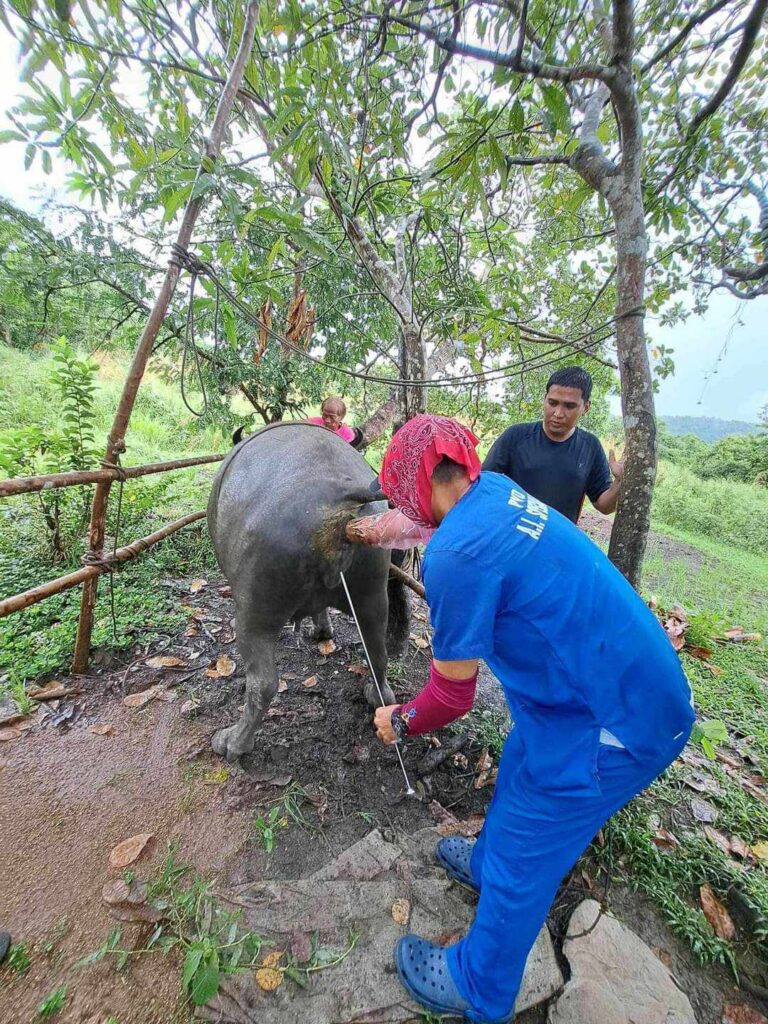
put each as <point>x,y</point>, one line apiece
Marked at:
<point>439,813</point>
<point>718,839</point>
<point>663,955</point>
<point>166,661</point>
<point>140,699</point>
<point>754,790</point>
<point>358,669</point>
<point>326,647</point>
<point>420,642</point>
<point>741,849</point>
<point>448,938</point>
<point>197,585</point>
<point>10,732</point>
<point>695,651</point>
<point>471,826</point>
<point>129,851</point>
<point>703,810</point>
<point>738,635</point>
<point>101,729</point>
<point>484,773</point>
<point>51,691</point>
<point>282,685</point>
<point>191,630</point>
<point>401,911</point>
<point>192,611</point>
<point>702,784</point>
<point>664,839</point>
<point>716,914</point>
<point>309,682</point>
<point>740,1013</point>
<point>714,669</point>
<point>268,977</point>
<point>223,668</point>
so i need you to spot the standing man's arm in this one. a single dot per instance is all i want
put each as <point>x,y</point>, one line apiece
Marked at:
<point>499,458</point>
<point>605,490</point>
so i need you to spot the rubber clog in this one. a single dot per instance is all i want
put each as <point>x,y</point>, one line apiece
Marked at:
<point>455,855</point>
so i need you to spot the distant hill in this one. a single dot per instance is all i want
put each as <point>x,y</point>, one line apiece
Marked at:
<point>707,427</point>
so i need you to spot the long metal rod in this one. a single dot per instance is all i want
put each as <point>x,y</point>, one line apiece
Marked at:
<point>410,791</point>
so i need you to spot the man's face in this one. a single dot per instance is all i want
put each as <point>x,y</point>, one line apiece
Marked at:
<point>563,407</point>
<point>333,415</point>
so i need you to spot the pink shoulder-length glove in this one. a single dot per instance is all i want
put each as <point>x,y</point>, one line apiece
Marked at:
<point>441,701</point>
<point>391,529</point>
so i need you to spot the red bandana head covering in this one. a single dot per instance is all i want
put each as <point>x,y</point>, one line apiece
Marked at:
<point>410,459</point>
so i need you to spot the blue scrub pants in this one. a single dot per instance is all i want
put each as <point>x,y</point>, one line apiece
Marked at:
<point>530,840</point>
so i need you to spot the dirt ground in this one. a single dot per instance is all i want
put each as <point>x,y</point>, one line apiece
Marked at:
<point>68,795</point>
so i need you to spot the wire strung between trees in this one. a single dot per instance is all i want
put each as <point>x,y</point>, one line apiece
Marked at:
<point>189,261</point>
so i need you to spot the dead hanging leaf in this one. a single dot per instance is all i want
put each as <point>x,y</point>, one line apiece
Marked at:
<point>740,1013</point>
<point>703,810</point>
<point>358,669</point>
<point>309,682</point>
<point>326,647</point>
<point>101,729</point>
<point>223,668</point>
<point>471,826</point>
<point>718,839</point>
<point>268,977</point>
<point>401,911</point>
<point>129,851</point>
<point>282,685</point>
<point>139,700</point>
<point>197,585</point>
<point>664,840</point>
<point>718,917</point>
<point>760,850</point>
<point>166,661</point>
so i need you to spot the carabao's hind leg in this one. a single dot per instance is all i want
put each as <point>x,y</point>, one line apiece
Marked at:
<point>372,612</point>
<point>323,630</point>
<point>256,642</point>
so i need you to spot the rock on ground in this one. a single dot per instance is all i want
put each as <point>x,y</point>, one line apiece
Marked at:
<point>355,894</point>
<point>615,978</point>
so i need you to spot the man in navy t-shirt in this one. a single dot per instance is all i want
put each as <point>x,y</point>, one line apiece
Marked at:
<point>599,701</point>
<point>555,460</point>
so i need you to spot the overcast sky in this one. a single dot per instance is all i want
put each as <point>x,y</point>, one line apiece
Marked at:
<point>721,359</point>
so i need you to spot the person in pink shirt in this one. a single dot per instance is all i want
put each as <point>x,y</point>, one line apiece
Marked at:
<point>332,413</point>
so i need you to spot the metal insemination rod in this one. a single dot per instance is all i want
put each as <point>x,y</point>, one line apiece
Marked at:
<point>410,791</point>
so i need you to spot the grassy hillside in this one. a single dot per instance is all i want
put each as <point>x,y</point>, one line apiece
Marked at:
<point>708,428</point>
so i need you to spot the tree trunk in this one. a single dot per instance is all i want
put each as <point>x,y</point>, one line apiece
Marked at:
<point>411,400</point>
<point>633,517</point>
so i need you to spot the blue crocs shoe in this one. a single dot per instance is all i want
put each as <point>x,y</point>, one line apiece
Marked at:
<point>454,854</point>
<point>422,968</point>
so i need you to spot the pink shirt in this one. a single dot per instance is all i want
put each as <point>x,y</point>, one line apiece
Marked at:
<point>345,433</point>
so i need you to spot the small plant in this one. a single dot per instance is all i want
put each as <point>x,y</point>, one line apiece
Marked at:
<point>268,827</point>
<point>51,1005</point>
<point>708,735</point>
<point>18,958</point>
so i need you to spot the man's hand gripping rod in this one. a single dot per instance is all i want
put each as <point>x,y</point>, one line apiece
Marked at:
<point>409,790</point>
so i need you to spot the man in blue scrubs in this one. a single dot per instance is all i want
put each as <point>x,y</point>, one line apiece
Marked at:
<point>599,702</point>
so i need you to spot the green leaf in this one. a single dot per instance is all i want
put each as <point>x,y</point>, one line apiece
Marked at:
<point>11,136</point>
<point>205,983</point>
<point>192,961</point>
<point>204,184</point>
<point>517,117</point>
<point>557,104</point>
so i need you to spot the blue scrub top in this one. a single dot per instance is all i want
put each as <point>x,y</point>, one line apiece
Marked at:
<point>576,649</point>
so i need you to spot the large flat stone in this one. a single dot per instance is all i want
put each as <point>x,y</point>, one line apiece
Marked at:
<point>354,894</point>
<point>615,978</point>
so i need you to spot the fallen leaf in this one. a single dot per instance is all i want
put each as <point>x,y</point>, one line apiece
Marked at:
<point>216,776</point>
<point>282,685</point>
<point>420,642</point>
<point>196,585</point>
<point>129,851</point>
<point>358,669</point>
<point>137,915</point>
<point>326,647</point>
<point>401,911</point>
<point>119,891</point>
<point>760,850</point>
<point>167,696</point>
<point>193,612</point>
<point>741,849</point>
<point>703,810</point>
<point>439,813</point>
<point>757,793</point>
<point>714,669</point>
<point>309,682</point>
<point>483,770</point>
<point>664,956</point>
<point>718,839</point>
<point>188,707</point>
<point>702,784</point>
<point>472,826</point>
<point>702,653</point>
<point>290,675</point>
<point>664,839</point>
<point>448,938</point>
<point>10,732</point>
<point>191,630</point>
<point>53,691</point>
<point>166,661</point>
<point>223,668</point>
<point>319,800</point>
<point>740,1013</point>
<point>738,635</point>
<point>139,700</point>
<point>718,917</point>
<point>101,729</point>
<point>301,947</point>
<point>268,979</point>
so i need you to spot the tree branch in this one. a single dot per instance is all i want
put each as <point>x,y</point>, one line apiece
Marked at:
<point>741,56</point>
<point>683,34</point>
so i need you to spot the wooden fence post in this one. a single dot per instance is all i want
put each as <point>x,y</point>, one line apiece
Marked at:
<point>116,439</point>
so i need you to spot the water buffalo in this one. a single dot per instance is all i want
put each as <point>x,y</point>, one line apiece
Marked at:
<point>276,515</point>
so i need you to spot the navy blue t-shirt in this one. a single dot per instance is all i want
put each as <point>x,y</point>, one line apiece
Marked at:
<point>559,473</point>
<point>576,649</point>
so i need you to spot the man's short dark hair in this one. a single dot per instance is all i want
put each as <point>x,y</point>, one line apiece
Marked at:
<point>572,377</point>
<point>447,470</point>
